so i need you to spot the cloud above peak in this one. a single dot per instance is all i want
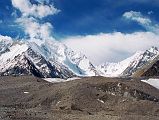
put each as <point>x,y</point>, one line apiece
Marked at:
<point>116,46</point>
<point>35,10</point>
<point>31,16</point>
<point>99,48</point>
<point>112,47</point>
<point>34,29</point>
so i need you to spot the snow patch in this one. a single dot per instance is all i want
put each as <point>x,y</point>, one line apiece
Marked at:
<point>58,80</point>
<point>58,102</point>
<point>26,92</point>
<point>100,100</point>
<point>74,78</point>
<point>153,82</point>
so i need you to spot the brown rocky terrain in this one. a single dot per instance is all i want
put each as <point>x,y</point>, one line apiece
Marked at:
<point>93,98</point>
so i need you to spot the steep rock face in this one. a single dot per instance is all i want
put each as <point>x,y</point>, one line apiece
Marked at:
<point>152,71</point>
<point>46,68</point>
<point>22,66</point>
<point>145,61</point>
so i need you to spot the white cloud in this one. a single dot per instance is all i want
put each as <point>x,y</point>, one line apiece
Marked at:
<point>34,29</point>
<point>34,10</point>
<point>112,47</point>
<point>142,20</point>
<point>99,48</point>
<point>29,18</point>
<point>117,46</point>
<point>137,16</point>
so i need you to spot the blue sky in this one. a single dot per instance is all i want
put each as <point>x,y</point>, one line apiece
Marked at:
<point>104,30</point>
<point>83,17</point>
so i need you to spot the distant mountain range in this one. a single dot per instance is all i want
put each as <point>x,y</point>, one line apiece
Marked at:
<point>52,59</point>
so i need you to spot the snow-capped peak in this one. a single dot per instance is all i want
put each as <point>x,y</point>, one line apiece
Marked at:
<point>50,52</point>
<point>6,58</point>
<point>128,66</point>
<point>116,69</point>
<point>76,62</point>
<point>153,49</point>
<point>145,59</point>
<point>5,42</point>
<point>5,39</point>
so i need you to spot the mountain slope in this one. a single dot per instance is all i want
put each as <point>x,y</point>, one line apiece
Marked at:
<point>5,42</point>
<point>21,59</point>
<point>75,62</point>
<point>146,60</point>
<point>116,69</point>
<point>150,70</point>
<point>131,66</point>
<point>43,59</point>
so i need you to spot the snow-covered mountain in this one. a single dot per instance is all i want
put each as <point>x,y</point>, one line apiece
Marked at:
<point>78,63</point>
<point>143,63</point>
<point>5,42</point>
<point>52,59</point>
<point>130,66</point>
<point>21,59</point>
<point>47,58</point>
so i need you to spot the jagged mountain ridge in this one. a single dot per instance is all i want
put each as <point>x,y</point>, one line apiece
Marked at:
<point>47,59</point>
<point>141,60</point>
<point>145,61</point>
<point>24,61</point>
<point>76,62</point>
<point>5,42</point>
